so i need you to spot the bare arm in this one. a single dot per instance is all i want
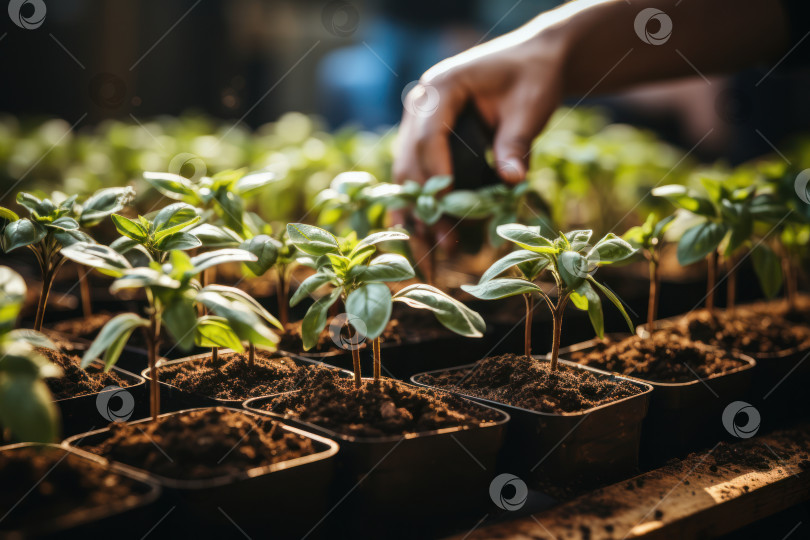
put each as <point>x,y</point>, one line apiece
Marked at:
<point>584,47</point>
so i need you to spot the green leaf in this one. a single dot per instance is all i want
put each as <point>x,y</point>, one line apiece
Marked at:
<point>173,218</point>
<point>315,319</point>
<point>578,239</point>
<point>104,202</point>
<point>27,409</point>
<point>97,256</point>
<point>241,297</point>
<point>8,215</point>
<point>371,303</point>
<point>614,299</point>
<point>214,331</point>
<point>465,204</point>
<point>64,224</point>
<point>682,197</point>
<point>212,236</point>
<point>662,226</point>
<point>388,267</point>
<point>220,256</point>
<point>526,237</point>
<point>171,185</point>
<point>699,241</point>
<point>310,285</point>
<point>232,209</point>
<point>179,241</point>
<point>435,184</point>
<point>33,204</point>
<point>376,238</point>
<point>265,248</point>
<point>138,278</point>
<point>585,298</point>
<point>22,232</point>
<point>12,295</point>
<point>505,263</point>
<point>33,338</point>
<point>451,313</point>
<point>129,228</point>
<point>180,318</point>
<point>312,240</point>
<point>69,238</point>
<point>427,209</point>
<point>610,249</point>
<point>241,318</point>
<point>120,325</point>
<point>254,181</point>
<point>573,268</point>
<point>495,289</point>
<point>768,268</point>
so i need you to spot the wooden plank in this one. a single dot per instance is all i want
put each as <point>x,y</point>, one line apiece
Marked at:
<point>704,495</point>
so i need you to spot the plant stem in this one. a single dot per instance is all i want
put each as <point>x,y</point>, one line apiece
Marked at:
<point>281,296</point>
<point>555,343</point>
<point>358,380</point>
<point>251,355</point>
<point>731,285</point>
<point>154,387</point>
<point>84,288</point>
<point>527,331</point>
<point>711,279</point>
<point>375,346</point>
<point>652,305</point>
<point>52,266</point>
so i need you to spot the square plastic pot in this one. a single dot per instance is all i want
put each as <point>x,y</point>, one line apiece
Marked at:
<point>601,443</point>
<point>685,416</point>
<point>284,499</point>
<point>95,522</point>
<point>431,472</point>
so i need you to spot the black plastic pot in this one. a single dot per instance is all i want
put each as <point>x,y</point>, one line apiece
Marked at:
<point>600,444</point>
<point>425,473</point>
<point>281,500</point>
<point>96,522</point>
<point>686,416</point>
<point>173,398</point>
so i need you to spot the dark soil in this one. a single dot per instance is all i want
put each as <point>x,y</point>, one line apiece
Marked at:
<point>663,357</point>
<point>761,329</point>
<point>529,383</point>
<point>85,327</point>
<point>234,379</point>
<point>56,487</point>
<point>76,381</point>
<point>373,410</point>
<point>204,443</point>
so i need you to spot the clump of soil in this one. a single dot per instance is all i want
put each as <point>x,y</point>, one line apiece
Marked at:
<point>85,327</point>
<point>529,383</point>
<point>58,486</point>
<point>663,357</point>
<point>204,443</point>
<point>235,379</point>
<point>754,330</point>
<point>386,408</point>
<point>76,381</point>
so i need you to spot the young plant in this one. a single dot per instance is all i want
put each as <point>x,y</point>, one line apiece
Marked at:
<point>518,204</point>
<point>354,201</point>
<point>173,294</point>
<point>570,260</point>
<point>27,411</point>
<point>648,238</point>
<point>166,231</point>
<point>359,278</point>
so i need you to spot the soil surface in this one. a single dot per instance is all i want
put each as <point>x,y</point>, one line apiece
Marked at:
<point>758,329</point>
<point>85,327</point>
<point>529,383</point>
<point>373,410</point>
<point>205,443</point>
<point>234,379</point>
<point>76,381</point>
<point>57,486</point>
<point>663,357</point>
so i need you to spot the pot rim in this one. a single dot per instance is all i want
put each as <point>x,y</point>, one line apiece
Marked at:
<point>503,420</point>
<point>647,388</point>
<point>86,515</point>
<point>205,483</point>
<point>748,362</point>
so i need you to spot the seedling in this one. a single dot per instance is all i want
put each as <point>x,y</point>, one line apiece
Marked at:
<point>27,411</point>
<point>354,201</point>
<point>359,278</point>
<point>173,294</point>
<point>518,204</point>
<point>647,239</point>
<point>50,226</point>
<point>570,260</point>
<point>167,231</point>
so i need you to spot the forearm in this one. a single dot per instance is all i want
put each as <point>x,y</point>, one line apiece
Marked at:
<point>603,52</point>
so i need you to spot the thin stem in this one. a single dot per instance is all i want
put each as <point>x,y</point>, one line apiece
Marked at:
<point>731,285</point>
<point>527,331</point>
<point>375,346</point>
<point>555,343</point>
<point>154,387</point>
<point>84,287</point>
<point>355,357</point>
<point>251,355</point>
<point>281,296</point>
<point>711,279</point>
<point>652,305</point>
<point>48,277</point>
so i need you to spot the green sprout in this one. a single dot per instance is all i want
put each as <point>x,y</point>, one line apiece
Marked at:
<point>166,231</point>
<point>359,278</point>
<point>354,201</point>
<point>570,260</point>
<point>173,294</point>
<point>27,411</point>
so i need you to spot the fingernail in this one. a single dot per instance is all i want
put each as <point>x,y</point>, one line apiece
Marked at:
<point>511,170</point>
